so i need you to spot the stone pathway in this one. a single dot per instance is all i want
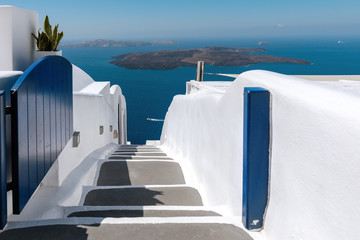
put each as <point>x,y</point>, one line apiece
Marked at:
<point>139,185</point>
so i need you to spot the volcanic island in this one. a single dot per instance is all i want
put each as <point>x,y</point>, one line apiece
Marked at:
<point>216,56</point>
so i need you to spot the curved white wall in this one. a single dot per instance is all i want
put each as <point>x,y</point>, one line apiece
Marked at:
<point>82,79</point>
<point>95,104</point>
<point>118,102</point>
<point>314,161</point>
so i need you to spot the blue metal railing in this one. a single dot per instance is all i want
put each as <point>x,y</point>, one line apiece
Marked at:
<point>41,123</point>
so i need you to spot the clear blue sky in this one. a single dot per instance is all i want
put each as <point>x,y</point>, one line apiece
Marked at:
<point>169,19</point>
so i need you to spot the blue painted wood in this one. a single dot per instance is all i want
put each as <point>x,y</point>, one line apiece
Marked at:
<point>3,178</point>
<point>47,126</point>
<point>40,99</point>
<point>57,114</point>
<point>256,156</point>
<point>31,122</point>
<point>53,123</point>
<point>19,144</point>
<point>62,114</point>
<point>40,147</point>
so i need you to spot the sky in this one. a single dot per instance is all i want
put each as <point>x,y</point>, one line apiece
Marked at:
<point>169,19</point>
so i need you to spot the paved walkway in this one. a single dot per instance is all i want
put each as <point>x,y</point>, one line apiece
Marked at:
<point>137,182</point>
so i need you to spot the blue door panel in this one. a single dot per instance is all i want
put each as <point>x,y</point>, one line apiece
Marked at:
<point>256,156</point>
<point>41,100</point>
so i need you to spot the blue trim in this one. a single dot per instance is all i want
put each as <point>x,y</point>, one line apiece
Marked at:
<point>255,156</point>
<point>26,73</point>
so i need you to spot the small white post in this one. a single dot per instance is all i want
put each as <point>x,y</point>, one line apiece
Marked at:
<point>200,71</point>
<point>188,86</point>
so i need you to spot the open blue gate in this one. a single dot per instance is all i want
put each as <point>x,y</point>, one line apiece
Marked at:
<point>41,123</point>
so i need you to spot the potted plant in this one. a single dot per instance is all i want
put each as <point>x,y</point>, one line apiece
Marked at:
<point>48,40</point>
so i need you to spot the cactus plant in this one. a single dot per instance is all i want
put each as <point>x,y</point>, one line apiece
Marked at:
<point>49,39</point>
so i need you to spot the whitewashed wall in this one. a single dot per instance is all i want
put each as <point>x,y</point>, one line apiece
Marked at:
<point>16,43</point>
<point>95,104</point>
<point>315,167</point>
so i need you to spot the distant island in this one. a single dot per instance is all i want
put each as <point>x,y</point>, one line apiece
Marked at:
<point>114,43</point>
<point>216,56</point>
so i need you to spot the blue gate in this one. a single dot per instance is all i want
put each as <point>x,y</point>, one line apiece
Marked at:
<point>41,123</point>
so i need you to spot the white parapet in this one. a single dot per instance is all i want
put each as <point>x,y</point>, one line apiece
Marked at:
<point>80,79</point>
<point>314,166</point>
<point>16,43</point>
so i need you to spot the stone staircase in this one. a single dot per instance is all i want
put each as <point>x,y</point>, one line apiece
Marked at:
<point>139,193</point>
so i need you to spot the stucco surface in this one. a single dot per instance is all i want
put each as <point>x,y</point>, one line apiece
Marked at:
<point>314,165</point>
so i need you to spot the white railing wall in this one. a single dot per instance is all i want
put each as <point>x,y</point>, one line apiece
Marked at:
<point>314,167</point>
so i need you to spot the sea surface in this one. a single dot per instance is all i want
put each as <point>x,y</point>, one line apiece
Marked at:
<point>149,92</point>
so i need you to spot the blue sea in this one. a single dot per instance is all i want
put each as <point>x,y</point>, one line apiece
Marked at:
<point>149,92</point>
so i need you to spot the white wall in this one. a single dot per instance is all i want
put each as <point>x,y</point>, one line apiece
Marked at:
<point>16,43</point>
<point>118,101</point>
<point>204,132</point>
<point>92,108</point>
<point>94,105</point>
<point>82,79</point>
<point>315,167</point>
<point>6,62</point>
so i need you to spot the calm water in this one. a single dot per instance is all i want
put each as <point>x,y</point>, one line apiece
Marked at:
<point>149,92</point>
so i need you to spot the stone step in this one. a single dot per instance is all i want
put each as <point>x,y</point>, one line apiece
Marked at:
<point>148,154</point>
<point>143,196</point>
<point>155,231</point>
<point>138,147</point>
<point>143,213</point>
<point>118,173</point>
<point>72,209</point>
<point>129,157</point>
<point>138,150</point>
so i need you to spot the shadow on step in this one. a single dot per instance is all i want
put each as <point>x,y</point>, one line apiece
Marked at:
<point>114,174</point>
<point>123,197</point>
<point>141,196</point>
<point>143,213</point>
<point>48,232</point>
<point>117,173</point>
